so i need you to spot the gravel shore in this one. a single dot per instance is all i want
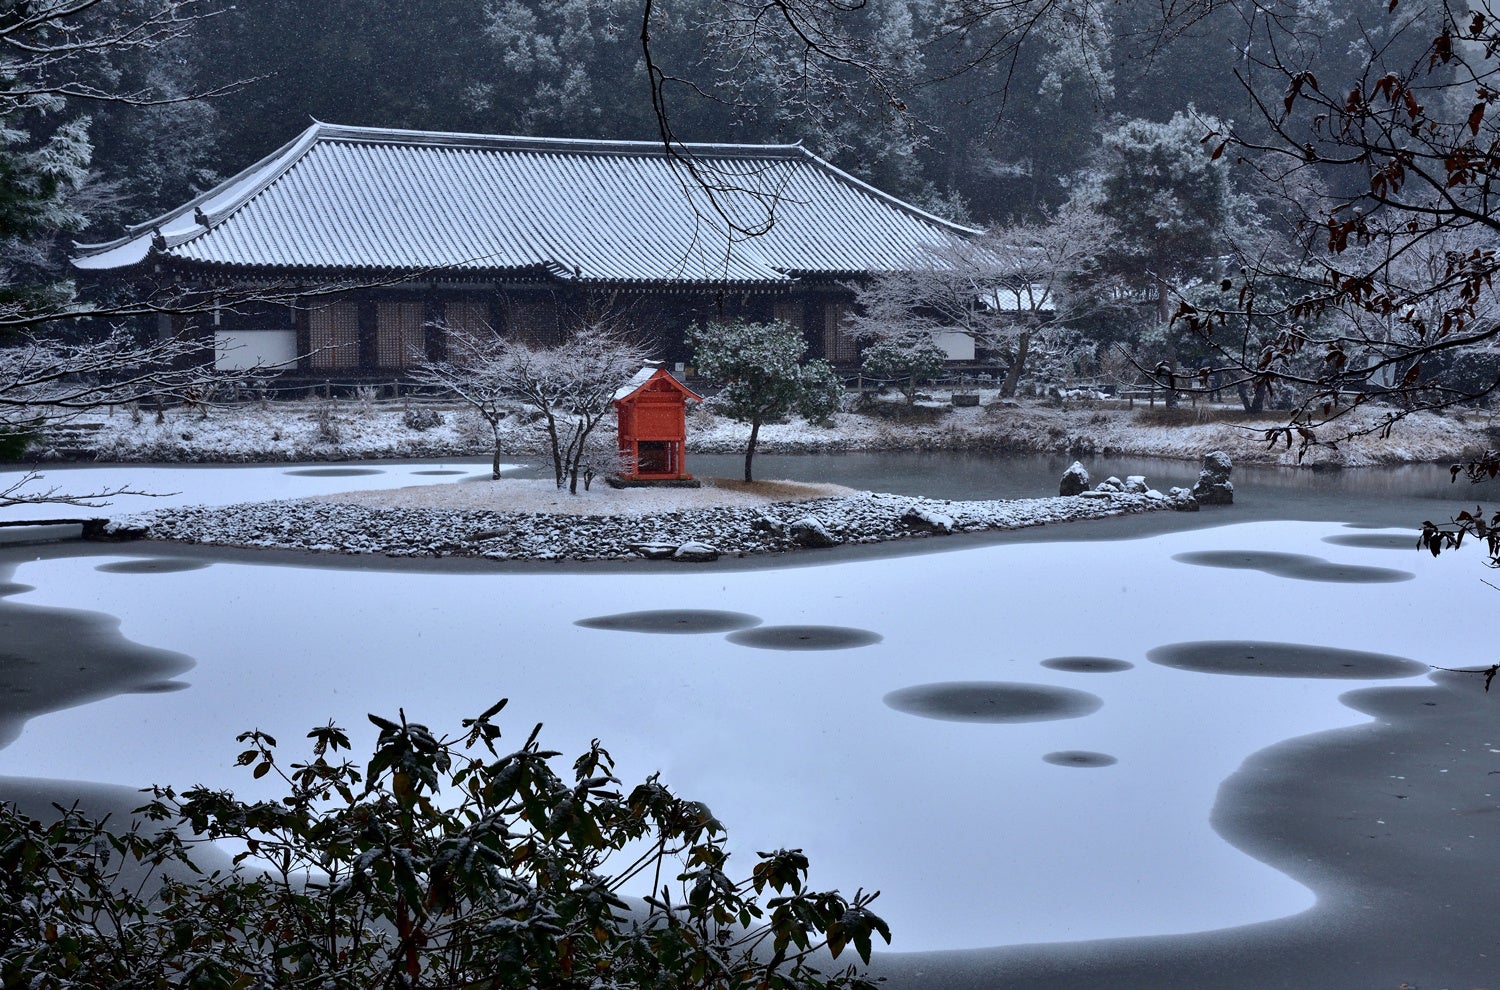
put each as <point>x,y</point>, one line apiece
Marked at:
<point>532,520</point>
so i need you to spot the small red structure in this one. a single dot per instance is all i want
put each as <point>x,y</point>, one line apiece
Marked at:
<point>652,410</point>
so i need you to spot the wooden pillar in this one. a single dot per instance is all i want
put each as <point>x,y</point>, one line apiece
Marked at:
<point>302,321</point>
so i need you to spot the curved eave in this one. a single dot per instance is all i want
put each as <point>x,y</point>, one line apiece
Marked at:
<point>373,275</point>
<point>182,224</point>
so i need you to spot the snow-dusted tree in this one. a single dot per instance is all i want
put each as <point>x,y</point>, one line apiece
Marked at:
<point>905,360</point>
<point>573,386</point>
<point>477,373</point>
<point>1001,290</point>
<point>53,56</point>
<point>763,375</point>
<point>1174,207</point>
<point>1177,214</point>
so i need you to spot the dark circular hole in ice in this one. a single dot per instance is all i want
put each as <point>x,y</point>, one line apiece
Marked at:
<point>440,472</point>
<point>1374,541</point>
<point>1249,560</point>
<point>1088,665</point>
<point>992,701</point>
<point>160,687</point>
<point>1332,573</point>
<point>672,620</point>
<point>804,637</point>
<point>1258,659</point>
<point>153,565</point>
<point>1080,758</point>
<point>337,472</point>
<point>1297,566</point>
<point>14,588</point>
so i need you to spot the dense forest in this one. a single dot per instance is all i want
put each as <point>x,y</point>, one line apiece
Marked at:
<point>1269,192</point>
<point>958,115</point>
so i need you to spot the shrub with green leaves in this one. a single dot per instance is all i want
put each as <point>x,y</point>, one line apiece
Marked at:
<point>445,862</point>
<point>763,375</point>
<point>13,442</point>
<point>905,361</point>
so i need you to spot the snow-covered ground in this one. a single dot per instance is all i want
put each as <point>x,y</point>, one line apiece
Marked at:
<point>354,429</point>
<point>857,754</point>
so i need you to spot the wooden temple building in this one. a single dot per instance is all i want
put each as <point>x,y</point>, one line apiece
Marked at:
<point>372,242</point>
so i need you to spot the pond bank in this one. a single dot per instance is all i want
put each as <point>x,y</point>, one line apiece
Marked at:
<point>355,430</point>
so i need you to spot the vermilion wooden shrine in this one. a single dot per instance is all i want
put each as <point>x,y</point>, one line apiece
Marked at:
<point>652,412</point>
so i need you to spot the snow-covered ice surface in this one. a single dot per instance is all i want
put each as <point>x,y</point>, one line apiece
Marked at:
<point>972,836</point>
<point>173,485</point>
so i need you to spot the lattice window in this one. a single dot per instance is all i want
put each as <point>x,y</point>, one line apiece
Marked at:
<point>399,340</point>
<point>789,311</point>
<point>333,335</point>
<point>468,315</point>
<point>534,321</point>
<point>839,346</point>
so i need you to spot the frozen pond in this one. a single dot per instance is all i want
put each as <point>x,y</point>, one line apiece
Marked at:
<point>1015,742</point>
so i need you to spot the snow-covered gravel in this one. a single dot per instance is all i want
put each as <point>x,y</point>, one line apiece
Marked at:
<point>528,495</point>
<point>538,523</point>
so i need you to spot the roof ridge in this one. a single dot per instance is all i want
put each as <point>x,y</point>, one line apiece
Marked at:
<point>521,142</point>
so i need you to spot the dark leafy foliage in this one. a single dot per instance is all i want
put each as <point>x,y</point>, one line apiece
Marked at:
<point>444,862</point>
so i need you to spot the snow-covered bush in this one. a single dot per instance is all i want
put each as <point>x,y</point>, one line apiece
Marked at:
<point>329,430</point>
<point>421,418</point>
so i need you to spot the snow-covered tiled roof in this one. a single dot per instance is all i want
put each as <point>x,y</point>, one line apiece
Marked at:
<point>455,205</point>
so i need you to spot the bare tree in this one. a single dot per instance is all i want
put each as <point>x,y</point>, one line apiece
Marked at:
<point>573,386</point>
<point>478,373</point>
<point>1005,291</point>
<point>1394,280</point>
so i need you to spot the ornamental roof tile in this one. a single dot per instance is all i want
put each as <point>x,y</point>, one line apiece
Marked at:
<point>459,205</point>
